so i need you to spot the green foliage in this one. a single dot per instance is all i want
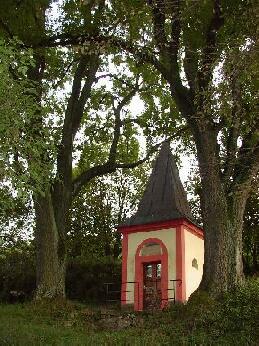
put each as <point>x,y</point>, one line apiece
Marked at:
<point>196,17</point>
<point>15,217</point>
<point>100,208</point>
<point>26,25</point>
<point>23,156</point>
<point>230,320</point>
<point>14,99</point>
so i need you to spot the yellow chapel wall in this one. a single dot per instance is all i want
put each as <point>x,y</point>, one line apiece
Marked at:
<point>168,237</point>
<point>194,248</point>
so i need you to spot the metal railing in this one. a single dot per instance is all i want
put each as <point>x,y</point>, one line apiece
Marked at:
<point>173,289</point>
<point>111,291</point>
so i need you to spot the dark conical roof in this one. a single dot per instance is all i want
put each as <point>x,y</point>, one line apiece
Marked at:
<point>164,197</point>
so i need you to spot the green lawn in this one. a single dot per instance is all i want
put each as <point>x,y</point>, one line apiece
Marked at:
<point>231,321</point>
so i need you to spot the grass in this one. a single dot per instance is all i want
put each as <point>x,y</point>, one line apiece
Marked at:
<point>231,320</point>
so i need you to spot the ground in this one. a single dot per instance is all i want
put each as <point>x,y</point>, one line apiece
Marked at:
<point>230,320</point>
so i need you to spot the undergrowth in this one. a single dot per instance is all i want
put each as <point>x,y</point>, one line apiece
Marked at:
<point>230,320</point>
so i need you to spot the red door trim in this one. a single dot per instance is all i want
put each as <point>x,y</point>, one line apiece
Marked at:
<point>124,269</point>
<point>180,265</point>
<point>139,261</point>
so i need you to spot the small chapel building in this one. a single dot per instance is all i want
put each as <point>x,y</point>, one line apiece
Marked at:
<point>162,246</point>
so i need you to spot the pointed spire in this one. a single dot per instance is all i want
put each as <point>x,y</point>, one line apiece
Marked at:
<point>164,197</point>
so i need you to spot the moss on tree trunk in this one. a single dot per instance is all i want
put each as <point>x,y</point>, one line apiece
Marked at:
<point>50,251</point>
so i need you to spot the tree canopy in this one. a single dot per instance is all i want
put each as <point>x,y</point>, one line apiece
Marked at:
<point>74,68</point>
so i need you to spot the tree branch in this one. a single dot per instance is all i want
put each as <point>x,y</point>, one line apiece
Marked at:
<point>87,68</point>
<point>118,123</point>
<point>81,39</point>
<point>64,157</point>
<point>234,130</point>
<point>55,86</point>
<point>247,165</point>
<point>158,9</point>
<point>190,67</point>
<point>75,111</point>
<point>93,63</point>
<point>205,73</point>
<point>169,53</point>
<point>209,51</point>
<point>245,170</point>
<point>110,167</point>
<point>175,27</point>
<point>6,28</point>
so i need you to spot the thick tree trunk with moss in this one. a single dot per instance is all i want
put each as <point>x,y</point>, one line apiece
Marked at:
<point>50,249</point>
<point>223,221</point>
<point>223,268</point>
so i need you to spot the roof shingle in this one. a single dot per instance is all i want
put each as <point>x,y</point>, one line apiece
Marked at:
<point>164,197</point>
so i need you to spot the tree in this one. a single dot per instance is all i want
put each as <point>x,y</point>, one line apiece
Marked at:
<point>193,38</point>
<point>51,130</point>
<point>179,45</point>
<point>188,43</point>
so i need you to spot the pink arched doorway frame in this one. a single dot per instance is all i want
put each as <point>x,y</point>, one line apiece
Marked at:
<point>139,264</point>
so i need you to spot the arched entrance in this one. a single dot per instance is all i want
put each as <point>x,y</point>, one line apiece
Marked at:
<point>151,275</point>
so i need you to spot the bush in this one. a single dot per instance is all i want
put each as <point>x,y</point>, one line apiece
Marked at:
<point>17,273</point>
<point>229,320</point>
<point>86,278</point>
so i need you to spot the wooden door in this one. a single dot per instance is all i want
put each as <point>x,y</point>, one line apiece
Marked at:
<point>152,285</point>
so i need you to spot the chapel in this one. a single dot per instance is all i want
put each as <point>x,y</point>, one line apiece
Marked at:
<point>162,245</point>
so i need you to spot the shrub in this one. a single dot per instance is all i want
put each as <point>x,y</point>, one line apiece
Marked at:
<point>17,273</point>
<point>86,278</point>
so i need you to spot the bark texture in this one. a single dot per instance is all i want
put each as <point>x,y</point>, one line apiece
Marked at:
<point>50,251</point>
<point>222,217</point>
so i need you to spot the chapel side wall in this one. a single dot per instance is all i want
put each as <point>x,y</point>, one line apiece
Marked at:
<point>194,248</point>
<point>168,237</point>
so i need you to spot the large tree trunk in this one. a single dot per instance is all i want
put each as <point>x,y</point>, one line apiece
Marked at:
<point>223,220</point>
<point>50,250</point>
<point>223,268</point>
